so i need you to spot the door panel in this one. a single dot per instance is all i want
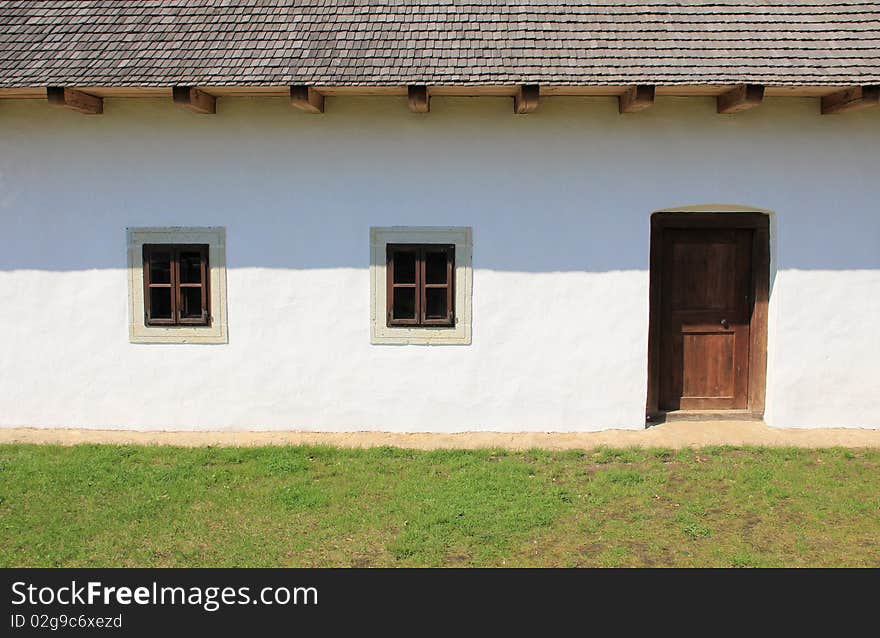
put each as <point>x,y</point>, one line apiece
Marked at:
<point>713,353</point>
<point>704,274</point>
<point>706,300</point>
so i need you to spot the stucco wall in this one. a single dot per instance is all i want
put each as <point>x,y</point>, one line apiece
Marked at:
<point>559,202</point>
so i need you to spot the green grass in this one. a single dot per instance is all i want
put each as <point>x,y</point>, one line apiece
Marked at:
<point>95,505</point>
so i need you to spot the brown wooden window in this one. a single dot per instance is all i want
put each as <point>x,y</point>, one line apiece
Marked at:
<point>421,281</point>
<point>176,285</point>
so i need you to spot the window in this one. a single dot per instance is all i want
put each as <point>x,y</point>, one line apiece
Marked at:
<point>420,284</point>
<point>176,285</point>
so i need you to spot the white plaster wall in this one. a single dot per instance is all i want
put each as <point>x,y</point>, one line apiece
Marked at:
<point>559,202</point>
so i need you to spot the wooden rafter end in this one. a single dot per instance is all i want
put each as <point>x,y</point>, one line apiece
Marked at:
<point>75,100</point>
<point>194,99</point>
<point>307,99</point>
<point>636,98</point>
<point>858,97</point>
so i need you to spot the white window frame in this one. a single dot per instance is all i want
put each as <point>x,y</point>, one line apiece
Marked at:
<point>383,334</point>
<point>215,238</point>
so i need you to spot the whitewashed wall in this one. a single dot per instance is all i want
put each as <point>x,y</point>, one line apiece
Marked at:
<point>559,202</point>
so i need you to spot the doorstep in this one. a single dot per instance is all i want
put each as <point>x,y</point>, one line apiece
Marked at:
<point>674,416</point>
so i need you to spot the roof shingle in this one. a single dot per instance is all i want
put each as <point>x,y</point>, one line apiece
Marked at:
<point>153,43</point>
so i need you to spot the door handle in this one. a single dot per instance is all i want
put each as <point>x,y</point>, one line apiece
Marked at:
<point>725,324</point>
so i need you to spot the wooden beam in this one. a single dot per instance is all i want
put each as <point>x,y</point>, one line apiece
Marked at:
<point>498,90</point>
<point>306,99</point>
<point>419,100</point>
<point>194,99</point>
<point>525,100</point>
<point>636,98</point>
<point>740,98</point>
<point>76,100</point>
<point>858,97</point>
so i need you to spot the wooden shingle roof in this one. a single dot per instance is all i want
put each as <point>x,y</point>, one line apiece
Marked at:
<point>160,43</point>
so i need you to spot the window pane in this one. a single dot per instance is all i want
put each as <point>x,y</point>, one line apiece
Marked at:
<point>191,303</point>
<point>435,267</point>
<point>404,303</point>
<point>190,267</point>
<point>404,267</point>
<point>435,303</point>
<point>160,303</point>
<point>160,267</point>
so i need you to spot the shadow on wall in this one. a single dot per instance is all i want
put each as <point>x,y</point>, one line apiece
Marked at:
<point>567,188</point>
<point>722,209</point>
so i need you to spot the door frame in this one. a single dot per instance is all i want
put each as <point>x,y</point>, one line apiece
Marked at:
<point>760,224</point>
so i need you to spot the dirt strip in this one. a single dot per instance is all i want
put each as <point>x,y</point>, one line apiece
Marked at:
<point>668,435</point>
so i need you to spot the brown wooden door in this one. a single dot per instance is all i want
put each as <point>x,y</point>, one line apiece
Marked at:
<point>705,300</point>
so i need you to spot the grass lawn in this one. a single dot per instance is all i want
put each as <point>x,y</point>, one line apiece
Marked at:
<point>95,505</point>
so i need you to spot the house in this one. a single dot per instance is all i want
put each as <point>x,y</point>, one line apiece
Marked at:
<point>338,215</point>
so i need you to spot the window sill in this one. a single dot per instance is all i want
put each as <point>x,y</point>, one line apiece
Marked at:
<point>157,334</point>
<point>423,336</point>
